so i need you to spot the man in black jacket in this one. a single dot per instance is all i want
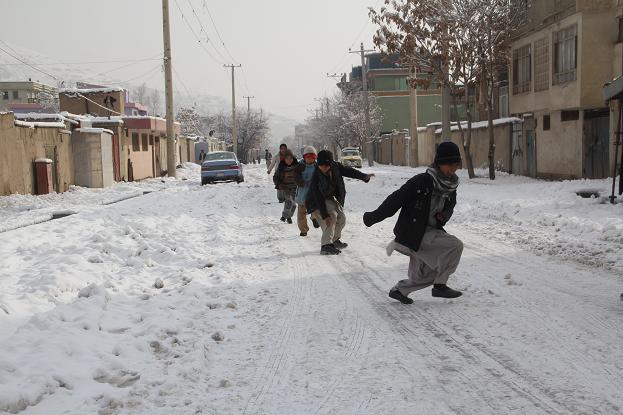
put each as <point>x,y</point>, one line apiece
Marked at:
<point>426,203</point>
<point>325,199</point>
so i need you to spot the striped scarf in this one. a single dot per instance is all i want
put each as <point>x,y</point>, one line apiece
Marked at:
<point>443,184</point>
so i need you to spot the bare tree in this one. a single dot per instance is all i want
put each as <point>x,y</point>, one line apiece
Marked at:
<point>459,42</point>
<point>190,121</point>
<point>140,93</point>
<point>155,102</point>
<point>498,19</point>
<point>48,101</point>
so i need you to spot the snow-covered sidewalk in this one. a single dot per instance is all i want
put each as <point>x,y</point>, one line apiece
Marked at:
<point>252,320</point>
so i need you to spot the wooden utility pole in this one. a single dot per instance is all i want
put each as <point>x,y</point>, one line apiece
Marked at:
<point>234,125</point>
<point>168,89</point>
<point>248,103</point>
<point>366,104</point>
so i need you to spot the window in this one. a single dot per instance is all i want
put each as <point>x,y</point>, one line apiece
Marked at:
<point>144,141</point>
<point>521,70</point>
<point>15,94</point>
<point>135,144</point>
<point>564,50</point>
<point>569,115</point>
<point>5,94</point>
<point>546,122</point>
<point>151,139</point>
<point>503,101</point>
<point>541,65</point>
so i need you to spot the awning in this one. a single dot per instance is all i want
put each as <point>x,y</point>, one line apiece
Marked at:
<point>613,89</point>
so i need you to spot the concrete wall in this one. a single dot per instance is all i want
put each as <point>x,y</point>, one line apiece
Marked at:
<point>20,146</point>
<point>92,159</point>
<point>559,150</point>
<point>141,159</point>
<point>479,148</point>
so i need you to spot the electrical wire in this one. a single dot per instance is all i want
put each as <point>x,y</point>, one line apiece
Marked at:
<point>26,63</point>
<point>195,33</point>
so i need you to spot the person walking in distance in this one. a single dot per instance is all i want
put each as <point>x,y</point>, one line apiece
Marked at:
<point>285,181</point>
<point>304,173</point>
<point>275,162</point>
<point>325,200</point>
<point>426,203</point>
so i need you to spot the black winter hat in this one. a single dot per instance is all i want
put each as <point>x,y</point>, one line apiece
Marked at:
<point>447,153</point>
<point>324,157</point>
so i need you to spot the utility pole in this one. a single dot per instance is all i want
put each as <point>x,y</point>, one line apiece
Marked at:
<point>248,103</point>
<point>366,104</point>
<point>234,126</point>
<point>168,88</point>
<point>446,133</point>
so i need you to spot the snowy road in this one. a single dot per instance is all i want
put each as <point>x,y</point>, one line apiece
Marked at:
<point>251,320</point>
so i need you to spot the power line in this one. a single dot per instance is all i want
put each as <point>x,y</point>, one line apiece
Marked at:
<point>82,63</point>
<point>205,32</point>
<point>194,33</point>
<point>27,64</point>
<point>205,5</point>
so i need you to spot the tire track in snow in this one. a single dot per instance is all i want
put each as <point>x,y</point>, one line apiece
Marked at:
<point>495,369</point>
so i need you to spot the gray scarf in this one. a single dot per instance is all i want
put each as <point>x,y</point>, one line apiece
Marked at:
<point>443,184</point>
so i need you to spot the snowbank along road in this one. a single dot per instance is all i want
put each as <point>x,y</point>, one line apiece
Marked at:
<point>250,319</point>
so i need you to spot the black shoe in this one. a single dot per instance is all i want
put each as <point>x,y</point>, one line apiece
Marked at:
<point>289,220</point>
<point>303,233</point>
<point>397,295</point>
<point>329,249</point>
<point>283,219</point>
<point>339,244</point>
<point>443,291</point>
<point>315,223</point>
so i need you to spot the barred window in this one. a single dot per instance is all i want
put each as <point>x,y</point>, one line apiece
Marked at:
<point>144,142</point>
<point>521,70</point>
<point>541,65</point>
<point>565,56</point>
<point>135,144</point>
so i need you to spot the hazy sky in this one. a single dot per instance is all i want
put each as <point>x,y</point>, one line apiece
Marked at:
<point>286,47</point>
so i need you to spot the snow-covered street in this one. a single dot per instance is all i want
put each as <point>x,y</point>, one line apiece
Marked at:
<point>252,320</point>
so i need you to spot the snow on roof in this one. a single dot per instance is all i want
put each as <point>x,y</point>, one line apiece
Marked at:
<point>91,90</point>
<point>93,130</point>
<point>86,117</point>
<point>483,124</point>
<point>421,129</point>
<point>30,116</point>
<point>40,124</point>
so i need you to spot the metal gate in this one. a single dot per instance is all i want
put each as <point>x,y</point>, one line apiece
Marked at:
<point>531,152</point>
<point>517,149</point>
<point>52,154</point>
<point>115,158</point>
<point>596,136</point>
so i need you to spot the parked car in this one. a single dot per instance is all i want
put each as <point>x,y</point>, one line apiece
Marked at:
<point>351,157</point>
<point>221,166</point>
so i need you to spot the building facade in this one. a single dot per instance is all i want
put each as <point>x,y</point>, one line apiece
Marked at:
<point>14,93</point>
<point>562,55</point>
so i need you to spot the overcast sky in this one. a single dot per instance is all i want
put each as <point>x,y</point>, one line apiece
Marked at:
<point>286,47</point>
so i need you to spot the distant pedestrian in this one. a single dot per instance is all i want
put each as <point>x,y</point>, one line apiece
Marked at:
<point>275,162</point>
<point>267,157</point>
<point>426,203</point>
<point>305,171</point>
<point>285,181</point>
<point>202,156</point>
<point>325,200</point>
